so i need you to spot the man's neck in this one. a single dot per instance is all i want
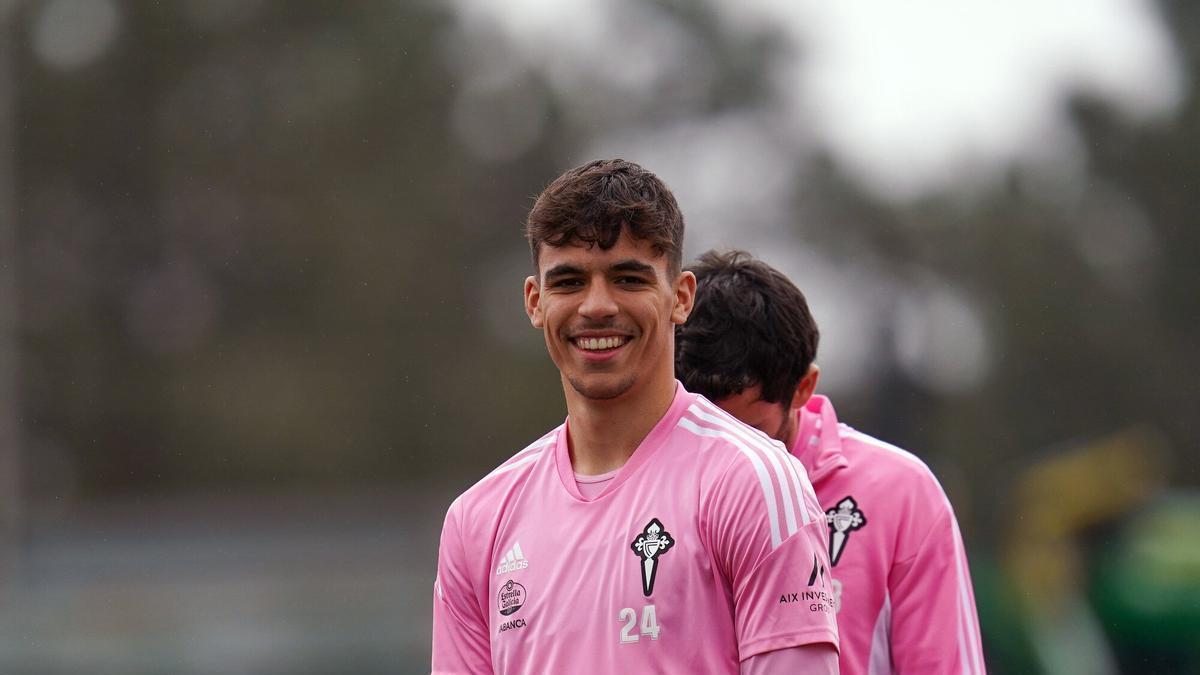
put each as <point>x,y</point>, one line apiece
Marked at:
<point>791,438</point>
<point>605,433</point>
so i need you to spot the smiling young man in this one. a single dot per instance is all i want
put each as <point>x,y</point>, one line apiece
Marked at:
<point>651,532</point>
<point>905,603</point>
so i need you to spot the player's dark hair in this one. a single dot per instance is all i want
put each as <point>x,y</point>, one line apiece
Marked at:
<point>749,326</point>
<point>590,204</point>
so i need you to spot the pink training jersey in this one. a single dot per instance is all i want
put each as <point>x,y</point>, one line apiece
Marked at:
<point>706,548</point>
<point>905,603</point>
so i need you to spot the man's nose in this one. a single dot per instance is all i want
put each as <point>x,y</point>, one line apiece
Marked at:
<point>598,301</point>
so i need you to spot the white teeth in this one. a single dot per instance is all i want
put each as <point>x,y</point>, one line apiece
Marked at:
<point>596,344</point>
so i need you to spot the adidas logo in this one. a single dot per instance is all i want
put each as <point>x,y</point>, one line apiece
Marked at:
<point>512,561</point>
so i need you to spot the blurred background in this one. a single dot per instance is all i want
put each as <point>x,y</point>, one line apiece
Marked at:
<point>261,267</point>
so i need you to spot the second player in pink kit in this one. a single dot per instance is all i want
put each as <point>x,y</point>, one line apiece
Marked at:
<point>903,588</point>
<point>652,532</point>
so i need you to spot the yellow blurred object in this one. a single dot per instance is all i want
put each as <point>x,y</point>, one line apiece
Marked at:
<point>1092,483</point>
<point>1058,498</point>
<point>1068,493</point>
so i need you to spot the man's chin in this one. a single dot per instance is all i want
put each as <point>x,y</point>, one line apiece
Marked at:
<point>602,388</point>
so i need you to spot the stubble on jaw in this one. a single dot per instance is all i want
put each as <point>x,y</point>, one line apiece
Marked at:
<point>601,392</point>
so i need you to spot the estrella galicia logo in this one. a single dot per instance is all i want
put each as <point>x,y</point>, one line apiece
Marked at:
<point>842,520</point>
<point>511,597</point>
<point>650,545</point>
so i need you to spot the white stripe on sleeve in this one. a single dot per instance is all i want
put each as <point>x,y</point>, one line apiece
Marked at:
<point>795,468</point>
<point>764,480</point>
<point>968,646</point>
<point>964,604</point>
<point>880,660</point>
<point>505,468</point>
<point>732,425</point>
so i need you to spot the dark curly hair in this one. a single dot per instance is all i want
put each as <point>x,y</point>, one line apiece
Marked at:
<point>591,203</point>
<point>750,326</point>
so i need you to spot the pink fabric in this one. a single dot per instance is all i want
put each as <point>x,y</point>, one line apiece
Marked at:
<point>819,659</point>
<point>905,599</point>
<point>591,487</point>
<point>533,578</point>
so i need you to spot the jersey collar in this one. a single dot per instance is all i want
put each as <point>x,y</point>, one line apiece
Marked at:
<point>818,445</point>
<point>645,450</point>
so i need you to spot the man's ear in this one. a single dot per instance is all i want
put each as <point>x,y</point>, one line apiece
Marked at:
<point>533,299</point>
<point>685,296</point>
<point>808,385</point>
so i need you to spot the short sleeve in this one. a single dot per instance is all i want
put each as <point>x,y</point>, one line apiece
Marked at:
<point>766,532</point>
<point>815,659</point>
<point>460,631</point>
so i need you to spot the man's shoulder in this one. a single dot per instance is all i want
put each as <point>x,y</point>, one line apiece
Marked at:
<point>731,452</point>
<point>890,488</point>
<point>750,477</point>
<point>712,430</point>
<point>886,464</point>
<point>512,472</point>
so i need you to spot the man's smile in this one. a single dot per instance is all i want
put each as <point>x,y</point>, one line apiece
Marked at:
<point>600,343</point>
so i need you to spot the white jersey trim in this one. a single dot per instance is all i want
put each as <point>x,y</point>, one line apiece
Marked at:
<point>894,449</point>
<point>794,465</point>
<point>880,660</point>
<point>968,635</point>
<point>525,456</point>
<point>789,511</point>
<point>966,622</point>
<point>764,480</point>
<point>901,452</point>
<point>513,465</point>
<point>792,477</point>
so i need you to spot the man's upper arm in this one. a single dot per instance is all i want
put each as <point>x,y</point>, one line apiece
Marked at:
<point>766,531</point>
<point>934,624</point>
<point>460,632</point>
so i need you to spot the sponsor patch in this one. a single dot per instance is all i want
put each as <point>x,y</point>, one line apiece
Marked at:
<point>510,598</point>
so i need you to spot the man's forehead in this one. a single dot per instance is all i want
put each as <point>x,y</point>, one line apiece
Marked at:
<point>624,253</point>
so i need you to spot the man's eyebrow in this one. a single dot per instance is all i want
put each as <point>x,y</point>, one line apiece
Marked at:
<point>633,266</point>
<point>562,270</point>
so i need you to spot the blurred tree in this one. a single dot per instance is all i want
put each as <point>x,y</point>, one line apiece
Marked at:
<point>261,247</point>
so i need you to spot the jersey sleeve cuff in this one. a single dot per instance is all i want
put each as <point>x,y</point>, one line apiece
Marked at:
<point>801,638</point>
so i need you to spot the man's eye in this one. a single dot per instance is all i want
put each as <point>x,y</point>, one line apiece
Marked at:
<point>565,283</point>
<point>630,280</point>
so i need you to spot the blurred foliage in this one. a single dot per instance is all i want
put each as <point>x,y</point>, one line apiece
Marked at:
<point>1146,586</point>
<point>254,253</point>
<point>262,247</point>
<point>242,259</point>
